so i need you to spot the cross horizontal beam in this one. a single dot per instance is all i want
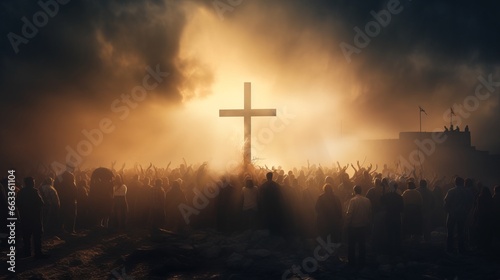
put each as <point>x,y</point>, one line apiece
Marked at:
<point>243,112</point>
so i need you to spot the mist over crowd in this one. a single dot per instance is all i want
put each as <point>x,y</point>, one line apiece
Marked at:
<point>299,204</point>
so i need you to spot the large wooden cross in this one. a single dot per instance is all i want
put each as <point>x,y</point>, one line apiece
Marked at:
<point>247,113</point>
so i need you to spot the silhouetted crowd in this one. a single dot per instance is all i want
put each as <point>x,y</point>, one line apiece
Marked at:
<point>383,208</point>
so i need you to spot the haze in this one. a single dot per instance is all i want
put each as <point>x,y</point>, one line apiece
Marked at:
<point>65,79</point>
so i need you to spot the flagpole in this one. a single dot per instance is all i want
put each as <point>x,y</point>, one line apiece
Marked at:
<point>451,119</point>
<point>420,115</point>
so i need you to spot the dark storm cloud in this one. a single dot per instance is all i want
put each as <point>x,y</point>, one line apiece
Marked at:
<point>86,55</point>
<point>65,56</point>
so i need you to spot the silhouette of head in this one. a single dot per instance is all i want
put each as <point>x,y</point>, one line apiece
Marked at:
<point>158,183</point>
<point>394,185</point>
<point>176,184</point>
<point>357,189</point>
<point>68,177</point>
<point>459,181</point>
<point>345,177</point>
<point>29,182</point>
<point>469,183</point>
<point>48,181</point>
<point>327,188</point>
<point>329,180</point>
<point>385,182</point>
<point>249,183</point>
<point>423,183</point>
<point>411,185</point>
<point>286,181</point>
<point>269,176</point>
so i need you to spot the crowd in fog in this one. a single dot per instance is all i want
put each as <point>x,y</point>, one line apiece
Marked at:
<point>345,204</point>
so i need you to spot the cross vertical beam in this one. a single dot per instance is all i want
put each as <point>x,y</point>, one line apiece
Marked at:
<point>247,124</point>
<point>247,113</point>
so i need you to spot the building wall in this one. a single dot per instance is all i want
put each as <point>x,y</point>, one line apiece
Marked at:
<point>453,156</point>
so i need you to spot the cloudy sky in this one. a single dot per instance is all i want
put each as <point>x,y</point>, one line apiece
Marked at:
<point>335,70</point>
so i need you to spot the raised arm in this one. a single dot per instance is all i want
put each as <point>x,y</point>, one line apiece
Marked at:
<point>113,163</point>
<point>355,170</point>
<point>121,169</point>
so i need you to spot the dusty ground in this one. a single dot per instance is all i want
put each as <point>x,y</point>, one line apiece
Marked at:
<point>244,255</point>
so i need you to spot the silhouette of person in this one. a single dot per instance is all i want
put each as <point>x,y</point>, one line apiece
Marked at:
<point>133,193</point>
<point>439,216</point>
<point>83,208</point>
<point>67,195</point>
<point>225,207</point>
<point>482,218</point>
<point>250,203</point>
<point>101,196</point>
<point>412,215</point>
<point>470,229</point>
<point>329,214</point>
<point>496,211</point>
<point>51,206</point>
<point>393,204</point>
<point>30,205</point>
<point>358,219</point>
<point>428,207</point>
<point>345,189</point>
<point>271,200</point>
<point>157,205</point>
<point>120,206</point>
<point>290,204</point>
<point>309,196</point>
<point>457,204</point>
<point>374,194</point>
<point>174,197</point>
<point>143,202</point>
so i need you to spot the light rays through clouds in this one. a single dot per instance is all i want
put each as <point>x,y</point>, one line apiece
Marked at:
<point>90,53</point>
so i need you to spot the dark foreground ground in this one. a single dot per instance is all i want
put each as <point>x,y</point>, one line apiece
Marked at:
<point>244,255</point>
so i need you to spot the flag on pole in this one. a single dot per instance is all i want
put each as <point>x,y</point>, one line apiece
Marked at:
<point>422,110</point>
<point>452,113</point>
